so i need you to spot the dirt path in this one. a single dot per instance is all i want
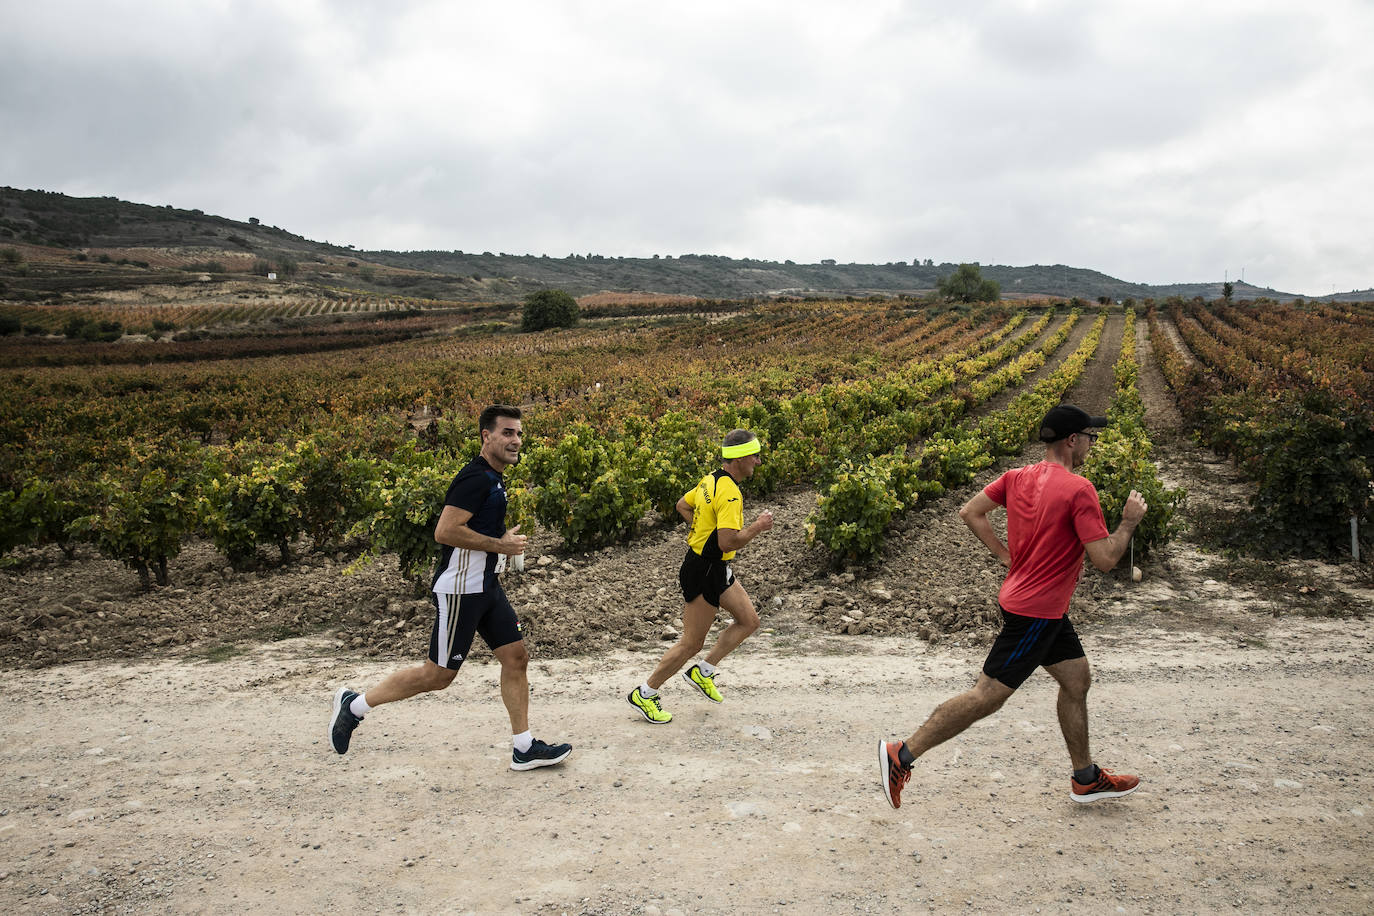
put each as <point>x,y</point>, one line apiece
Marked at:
<point>1161,413</point>
<point>209,787</point>
<point>1095,386</point>
<point>1167,324</point>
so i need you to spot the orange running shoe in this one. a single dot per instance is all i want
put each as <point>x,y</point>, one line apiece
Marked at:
<point>894,775</point>
<point>1108,785</point>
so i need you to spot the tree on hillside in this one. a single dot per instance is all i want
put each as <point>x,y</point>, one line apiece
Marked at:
<point>967,285</point>
<point>283,266</point>
<point>549,308</point>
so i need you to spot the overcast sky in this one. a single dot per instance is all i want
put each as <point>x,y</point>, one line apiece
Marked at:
<point>1157,142</point>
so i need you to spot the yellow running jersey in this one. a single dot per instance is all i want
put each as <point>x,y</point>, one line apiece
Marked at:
<point>716,503</point>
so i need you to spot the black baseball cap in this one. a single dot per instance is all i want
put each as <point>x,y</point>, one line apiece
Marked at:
<point>1064,420</point>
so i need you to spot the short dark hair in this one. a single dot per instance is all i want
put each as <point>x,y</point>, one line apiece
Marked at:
<point>487,420</point>
<point>738,437</point>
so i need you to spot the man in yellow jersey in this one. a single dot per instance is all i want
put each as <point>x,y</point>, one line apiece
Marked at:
<point>714,511</point>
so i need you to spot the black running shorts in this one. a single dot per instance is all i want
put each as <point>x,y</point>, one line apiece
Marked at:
<point>458,617</point>
<point>1026,643</point>
<point>704,578</point>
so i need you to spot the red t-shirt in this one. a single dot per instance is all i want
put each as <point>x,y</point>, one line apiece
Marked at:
<point>1051,513</point>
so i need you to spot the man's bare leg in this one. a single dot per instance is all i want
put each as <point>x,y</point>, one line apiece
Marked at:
<point>736,601</point>
<point>515,684</point>
<point>958,713</point>
<point>409,682</point>
<point>697,617</point>
<point>1074,677</point>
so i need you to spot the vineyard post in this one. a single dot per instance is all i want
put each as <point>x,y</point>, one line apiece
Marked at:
<point>1355,537</point>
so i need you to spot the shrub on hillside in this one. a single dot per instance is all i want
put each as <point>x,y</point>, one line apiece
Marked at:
<point>549,308</point>
<point>967,285</point>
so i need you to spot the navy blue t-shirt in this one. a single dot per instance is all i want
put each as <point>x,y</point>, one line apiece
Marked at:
<point>479,490</point>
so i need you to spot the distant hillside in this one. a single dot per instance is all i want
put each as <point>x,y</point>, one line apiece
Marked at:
<point>69,243</point>
<point>49,218</point>
<point>721,277</point>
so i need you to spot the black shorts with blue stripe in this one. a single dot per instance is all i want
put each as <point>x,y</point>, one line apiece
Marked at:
<point>1026,643</point>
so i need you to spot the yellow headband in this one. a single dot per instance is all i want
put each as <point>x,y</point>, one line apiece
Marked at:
<point>729,452</point>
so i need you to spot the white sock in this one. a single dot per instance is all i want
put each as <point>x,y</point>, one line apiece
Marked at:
<point>707,668</point>
<point>646,691</point>
<point>522,741</point>
<point>359,706</point>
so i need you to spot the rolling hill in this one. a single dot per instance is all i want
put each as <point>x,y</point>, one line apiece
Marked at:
<point>56,245</point>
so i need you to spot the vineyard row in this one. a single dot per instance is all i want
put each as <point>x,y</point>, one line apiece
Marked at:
<point>1302,431</point>
<point>592,486</point>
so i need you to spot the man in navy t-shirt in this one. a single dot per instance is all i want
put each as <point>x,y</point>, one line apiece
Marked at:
<point>468,599</point>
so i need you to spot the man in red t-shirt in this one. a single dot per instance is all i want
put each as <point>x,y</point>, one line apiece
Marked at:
<point>1053,518</point>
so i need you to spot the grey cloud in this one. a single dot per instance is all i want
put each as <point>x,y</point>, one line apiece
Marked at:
<point>1143,140</point>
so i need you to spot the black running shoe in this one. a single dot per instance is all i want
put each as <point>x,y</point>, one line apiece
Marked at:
<point>539,755</point>
<point>342,723</point>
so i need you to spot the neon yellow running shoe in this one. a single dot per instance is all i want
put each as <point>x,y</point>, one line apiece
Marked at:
<point>648,707</point>
<point>706,683</point>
